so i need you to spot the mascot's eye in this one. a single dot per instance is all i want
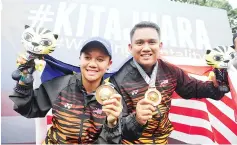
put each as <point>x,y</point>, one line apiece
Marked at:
<point>28,37</point>
<point>232,55</point>
<point>218,58</point>
<point>46,42</point>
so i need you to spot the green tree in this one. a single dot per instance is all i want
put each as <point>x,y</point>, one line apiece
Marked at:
<point>222,4</point>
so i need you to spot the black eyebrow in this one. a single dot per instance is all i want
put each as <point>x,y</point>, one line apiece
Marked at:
<point>102,56</point>
<point>139,40</point>
<point>148,40</point>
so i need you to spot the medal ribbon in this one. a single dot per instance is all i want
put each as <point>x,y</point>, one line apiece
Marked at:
<point>149,80</point>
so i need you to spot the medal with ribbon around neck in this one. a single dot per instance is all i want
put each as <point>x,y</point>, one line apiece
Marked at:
<point>152,93</point>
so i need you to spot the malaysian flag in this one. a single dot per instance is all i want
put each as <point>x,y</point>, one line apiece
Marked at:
<point>205,121</point>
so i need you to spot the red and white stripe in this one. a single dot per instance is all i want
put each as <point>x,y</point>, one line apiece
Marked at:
<point>205,121</point>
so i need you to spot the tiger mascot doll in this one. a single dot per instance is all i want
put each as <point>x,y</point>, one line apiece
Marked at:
<point>37,42</point>
<point>220,57</point>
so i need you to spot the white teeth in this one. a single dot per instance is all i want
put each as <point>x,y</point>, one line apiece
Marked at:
<point>146,55</point>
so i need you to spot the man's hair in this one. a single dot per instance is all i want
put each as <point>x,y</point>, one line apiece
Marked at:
<point>145,24</point>
<point>234,37</point>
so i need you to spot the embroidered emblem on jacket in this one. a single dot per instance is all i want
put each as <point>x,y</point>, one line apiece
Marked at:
<point>68,106</point>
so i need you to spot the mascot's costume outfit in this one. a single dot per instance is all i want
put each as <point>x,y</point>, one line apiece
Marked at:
<point>220,58</point>
<point>77,116</point>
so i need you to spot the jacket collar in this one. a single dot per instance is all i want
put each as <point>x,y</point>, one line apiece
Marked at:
<point>134,66</point>
<point>87,97</point>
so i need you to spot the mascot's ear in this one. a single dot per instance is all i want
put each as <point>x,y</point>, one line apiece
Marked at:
<point>26,26</point>
<point>55,36</point>
<point>208,51</point>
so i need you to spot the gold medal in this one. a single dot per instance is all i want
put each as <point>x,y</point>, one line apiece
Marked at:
<point>104,92</point>
<point>153,95</point>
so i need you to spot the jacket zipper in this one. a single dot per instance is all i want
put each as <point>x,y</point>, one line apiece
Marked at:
<point>153,135</point>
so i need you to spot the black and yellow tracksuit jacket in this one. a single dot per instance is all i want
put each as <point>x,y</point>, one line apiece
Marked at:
<point>131,85</point>
<point>77,116</point>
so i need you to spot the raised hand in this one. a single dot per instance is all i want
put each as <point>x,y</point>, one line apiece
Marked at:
<point>144,111</point>
<point>23,74</point>
<point>113,108</point>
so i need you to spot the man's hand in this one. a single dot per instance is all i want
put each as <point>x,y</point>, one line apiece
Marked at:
<point>113,108</point>
<point>21,59</point>
<point>212,77</point>
<point>223,87</point>
<point>144,111</point>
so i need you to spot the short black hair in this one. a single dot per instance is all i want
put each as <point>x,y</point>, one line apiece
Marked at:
<point>144,24</point>
<point>234,37</point>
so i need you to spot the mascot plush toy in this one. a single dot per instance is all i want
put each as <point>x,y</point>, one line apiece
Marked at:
<point>220,57</point>
<point>37,43</point>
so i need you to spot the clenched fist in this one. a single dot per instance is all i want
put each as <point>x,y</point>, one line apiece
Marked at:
<point>113,108</point>
<point>21,59</point>
<point>144,111</point>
